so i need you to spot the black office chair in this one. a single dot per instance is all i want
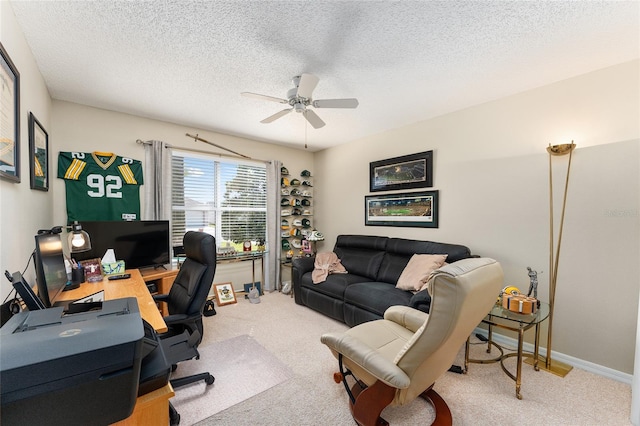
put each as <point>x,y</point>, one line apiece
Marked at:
<point>186,301</point>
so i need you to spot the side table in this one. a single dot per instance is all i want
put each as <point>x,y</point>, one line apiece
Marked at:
<point>503,318</point>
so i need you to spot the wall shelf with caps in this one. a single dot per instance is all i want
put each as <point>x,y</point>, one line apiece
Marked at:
<point>296,210</point>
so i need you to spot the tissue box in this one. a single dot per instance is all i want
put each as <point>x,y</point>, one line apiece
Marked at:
<point>113,268</point>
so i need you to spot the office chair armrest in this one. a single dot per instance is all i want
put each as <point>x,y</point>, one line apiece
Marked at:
<point>176,319</point>
<point>410,318</point>
<point>369,359</point>
<point>160,297</point>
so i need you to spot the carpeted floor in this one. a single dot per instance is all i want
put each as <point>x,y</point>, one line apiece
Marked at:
<point>242,368</point>
<point>485,396</point>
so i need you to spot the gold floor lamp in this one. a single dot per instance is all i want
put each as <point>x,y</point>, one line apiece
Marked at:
<point>556,367</point>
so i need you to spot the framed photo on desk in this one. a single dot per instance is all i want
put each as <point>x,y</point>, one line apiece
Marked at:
<point>92,270</point>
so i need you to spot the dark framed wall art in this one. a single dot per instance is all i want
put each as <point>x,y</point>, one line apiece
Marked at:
<point>38,154</point>
<point>9,119</point>
<point>406,172</point>
<point>415,209</point>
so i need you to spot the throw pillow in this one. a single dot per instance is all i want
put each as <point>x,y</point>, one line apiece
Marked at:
<point>425,286</point>
<point>418,270</point>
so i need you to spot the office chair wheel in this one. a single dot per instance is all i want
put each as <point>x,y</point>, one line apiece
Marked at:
<point>174,367</point>
<point>209,380</point>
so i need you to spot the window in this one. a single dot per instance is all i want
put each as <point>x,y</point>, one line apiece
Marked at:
<point>223,197</point>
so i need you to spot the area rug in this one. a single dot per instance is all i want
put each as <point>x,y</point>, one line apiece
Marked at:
<point>242,368</point>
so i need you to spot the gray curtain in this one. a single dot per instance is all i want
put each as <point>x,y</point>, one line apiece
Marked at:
<point>157,181</point>
<point>272,257</point>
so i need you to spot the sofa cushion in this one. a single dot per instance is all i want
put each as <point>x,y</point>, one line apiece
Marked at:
<point>375,296</point>
<point>400,250</point>
<point>418,271</point>
<point>361,254</point>
<point>334,285</point>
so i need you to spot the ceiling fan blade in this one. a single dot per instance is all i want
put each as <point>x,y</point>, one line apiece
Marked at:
<point>277,115</point>
<point>335,103</point>
<point>313,119</point>
<point>264,97</point>
<point>307,83</point>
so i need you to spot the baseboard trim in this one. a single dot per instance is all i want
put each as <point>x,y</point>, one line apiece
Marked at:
<point>591,367</point>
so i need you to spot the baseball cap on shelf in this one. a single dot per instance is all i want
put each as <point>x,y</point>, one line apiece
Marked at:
<point>295,202</point>
<point>284,234</point>
<point>284,181</point>
<point>306,183</point>
<point>297,222</point>
<point>306,212</point>
<point>305,173</point>
<point>284,202</point>
<point>296,243</point>
<point>295,232</point>
<point>306,223</point>
<point>295,191</point>
<point>296,212</point>
<point>289,253</point>
<point>285,212</point>
<point>284,191</point>
<point>284,171</point>
<point>284,224</point>
<point>285,244</point>
<point>306,194</point>
<point>295,182</point>
<point>306,203</point>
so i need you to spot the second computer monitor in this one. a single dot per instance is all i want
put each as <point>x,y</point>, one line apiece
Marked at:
<point>51,273</point>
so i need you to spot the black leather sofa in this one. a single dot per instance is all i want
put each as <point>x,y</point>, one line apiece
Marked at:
<point>374,265</point>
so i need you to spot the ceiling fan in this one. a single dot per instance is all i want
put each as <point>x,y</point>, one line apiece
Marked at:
<point>299,98</point>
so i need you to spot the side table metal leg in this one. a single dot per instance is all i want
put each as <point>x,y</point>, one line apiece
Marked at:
<point>536,348</point>
<point>489,337</point>
<point>519,363</point>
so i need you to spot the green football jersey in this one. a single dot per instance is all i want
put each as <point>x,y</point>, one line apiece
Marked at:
<point>100,186</point>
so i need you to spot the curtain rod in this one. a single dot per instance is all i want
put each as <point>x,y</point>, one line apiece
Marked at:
<point>200,151</point>
<point>197,138</point>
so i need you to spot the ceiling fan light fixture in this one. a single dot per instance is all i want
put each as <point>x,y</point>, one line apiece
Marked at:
<point>300,97</point>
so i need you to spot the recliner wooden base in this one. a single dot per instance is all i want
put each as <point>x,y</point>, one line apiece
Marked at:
<point>370,401</point>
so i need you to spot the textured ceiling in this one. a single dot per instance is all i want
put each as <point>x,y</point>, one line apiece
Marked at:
<point>188,61</point>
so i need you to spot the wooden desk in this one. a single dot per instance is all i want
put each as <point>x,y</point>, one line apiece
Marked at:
<point>131,287</point>
<point>163,279</point>
<point>152,408</point>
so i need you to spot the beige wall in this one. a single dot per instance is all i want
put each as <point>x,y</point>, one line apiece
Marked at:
<point>491,168</point>
<point>22,211</point>
<point>81,128</point>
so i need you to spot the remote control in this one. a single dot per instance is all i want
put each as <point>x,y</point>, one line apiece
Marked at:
<point>119,277</point>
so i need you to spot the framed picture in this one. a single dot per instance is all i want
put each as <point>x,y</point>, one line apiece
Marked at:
<point>224,294</point>
<point>406,172</point>
<point>38,154</point>
<point>416,209</point>
<point>92,270</point>
<point>10,118</point>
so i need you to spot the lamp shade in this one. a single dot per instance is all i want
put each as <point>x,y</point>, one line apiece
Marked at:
<point>315,236</point>
<point>78,239</point>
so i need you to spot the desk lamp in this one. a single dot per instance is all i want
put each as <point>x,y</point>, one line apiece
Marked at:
<point>77,239</point>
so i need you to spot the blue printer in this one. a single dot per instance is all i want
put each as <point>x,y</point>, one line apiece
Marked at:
<point>79,369</point>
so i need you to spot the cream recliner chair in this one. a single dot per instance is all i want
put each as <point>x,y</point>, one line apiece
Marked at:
<point>398,358</point>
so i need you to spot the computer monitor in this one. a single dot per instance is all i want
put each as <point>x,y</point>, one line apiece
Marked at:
<point>30,299</point>
<point>51,273</point>
<point>139,243</point>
